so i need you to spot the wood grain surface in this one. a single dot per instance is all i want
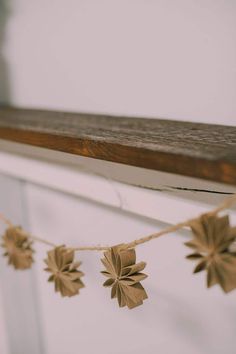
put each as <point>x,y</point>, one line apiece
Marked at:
<point>192,149</point>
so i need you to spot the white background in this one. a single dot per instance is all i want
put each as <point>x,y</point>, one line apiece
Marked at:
<point>173,59</point>
<point>163,58</point>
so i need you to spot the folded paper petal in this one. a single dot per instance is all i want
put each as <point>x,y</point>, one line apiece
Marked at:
<point>18,248</point>
<point>65,273</point>
<point>213,239</point>
<point>124,276</point>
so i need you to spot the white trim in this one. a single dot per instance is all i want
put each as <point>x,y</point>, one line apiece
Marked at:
<point>4,345</point>
<point>20,301</point>
<point>128,174</point>
<point>70,179</point>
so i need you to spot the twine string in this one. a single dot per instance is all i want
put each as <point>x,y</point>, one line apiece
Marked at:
<point>165,231</point>
<point>226,204</point>
<point>5,220</point>
<point>41,240</point>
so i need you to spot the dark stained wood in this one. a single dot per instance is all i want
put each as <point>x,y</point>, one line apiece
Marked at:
<point>191,149</point>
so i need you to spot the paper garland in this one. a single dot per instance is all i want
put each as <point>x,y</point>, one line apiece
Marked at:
<point>18,248</point>
<point>212,242</point>
<point>213,237</point>
<point>65,273</point>
<point>124,276</point>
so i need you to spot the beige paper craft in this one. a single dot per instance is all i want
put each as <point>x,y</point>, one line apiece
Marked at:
<point>124,276</point>
<point>213,237</point>
<point>18,248</point>
<point>64,272</point>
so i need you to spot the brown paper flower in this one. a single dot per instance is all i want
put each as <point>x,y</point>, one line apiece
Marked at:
<point>18,248</point>
<point>124,276</point>
<point>213,237</point>
<point>64,272</point>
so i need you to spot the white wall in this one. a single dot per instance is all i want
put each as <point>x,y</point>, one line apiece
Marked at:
<point>163,58</point>
<point>180,316</point>
<point>3,332</point>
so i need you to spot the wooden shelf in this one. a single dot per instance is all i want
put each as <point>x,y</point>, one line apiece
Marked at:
<point>190,149</point>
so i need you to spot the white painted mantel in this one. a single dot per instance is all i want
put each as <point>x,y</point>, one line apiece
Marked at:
<point>140,191</point>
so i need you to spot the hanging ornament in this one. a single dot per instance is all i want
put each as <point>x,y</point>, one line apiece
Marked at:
<point>18,247</point>
<point>124,276</point>
<point>65,273</point>
<point>213,237</point>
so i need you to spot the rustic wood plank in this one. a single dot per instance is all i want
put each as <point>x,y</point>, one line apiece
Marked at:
<point>191,149</point>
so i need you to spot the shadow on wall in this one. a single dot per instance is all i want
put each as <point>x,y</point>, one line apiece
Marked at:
<point>4,73</point>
